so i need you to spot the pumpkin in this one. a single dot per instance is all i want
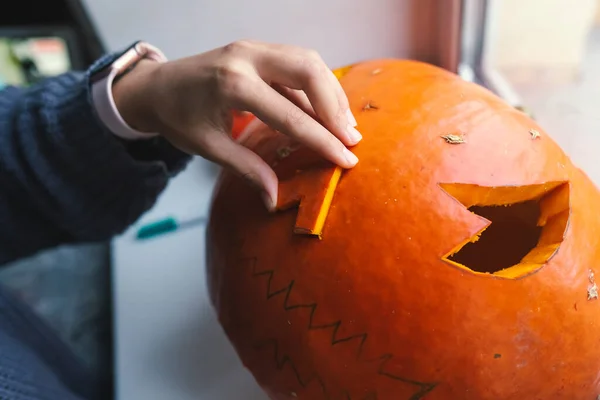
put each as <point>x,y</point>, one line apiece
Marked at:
<point>455,261</point>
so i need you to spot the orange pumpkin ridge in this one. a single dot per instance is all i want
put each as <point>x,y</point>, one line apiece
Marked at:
<point>456,260</point>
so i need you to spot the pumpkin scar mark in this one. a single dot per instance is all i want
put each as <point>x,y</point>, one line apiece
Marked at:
<point>454,139</point>
<point>284,151</point>
<point>423,387</point>
<point>370,106</point>
<point>513,230</point>
<point>592,291</point>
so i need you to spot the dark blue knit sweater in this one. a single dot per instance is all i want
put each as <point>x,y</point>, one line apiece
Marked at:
<point>63,179</point>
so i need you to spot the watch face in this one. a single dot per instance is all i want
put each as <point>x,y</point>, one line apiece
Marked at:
<point>103,69</point>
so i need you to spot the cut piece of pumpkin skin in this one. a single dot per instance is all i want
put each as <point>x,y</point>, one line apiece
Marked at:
<point>553,201</point>
<point>312,191</point>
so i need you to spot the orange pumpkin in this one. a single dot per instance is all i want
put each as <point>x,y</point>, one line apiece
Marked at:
<point>241,120</point>
<point>455,261</point>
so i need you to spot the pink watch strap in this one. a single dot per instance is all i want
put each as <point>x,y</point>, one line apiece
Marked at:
<point>102,95</point>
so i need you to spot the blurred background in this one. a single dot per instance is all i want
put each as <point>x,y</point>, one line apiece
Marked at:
<point>135,310</point>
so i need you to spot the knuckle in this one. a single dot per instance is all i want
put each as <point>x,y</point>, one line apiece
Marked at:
<point>313,55</point>
<point>237,46</point>
<point>314,69</point>
<point>231,79</point>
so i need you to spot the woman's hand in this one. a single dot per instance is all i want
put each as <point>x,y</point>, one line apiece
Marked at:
<point>190,100</point>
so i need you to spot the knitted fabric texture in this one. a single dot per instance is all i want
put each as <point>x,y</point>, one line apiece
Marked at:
<point>64,178</point>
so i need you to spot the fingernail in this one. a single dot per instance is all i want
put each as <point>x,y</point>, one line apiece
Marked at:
<point>355,135</point>
<point>350,157</point>
<point>351,119</point>
<point>268,200</point>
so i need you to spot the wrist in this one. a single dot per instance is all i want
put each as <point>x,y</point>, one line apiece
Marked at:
<point>134,96</point>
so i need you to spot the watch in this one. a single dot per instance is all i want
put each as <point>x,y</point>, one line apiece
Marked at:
<point>102,76</point>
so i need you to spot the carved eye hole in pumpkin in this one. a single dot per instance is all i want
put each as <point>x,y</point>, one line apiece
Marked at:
<point>526,226</point>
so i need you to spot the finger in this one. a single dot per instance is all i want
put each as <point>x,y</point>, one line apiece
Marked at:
<point>220,149</point>
<point>306,53</point>
<point>304,70</point>
<point>298,97</point>
<point>283,115</point>
<point>342,94</point>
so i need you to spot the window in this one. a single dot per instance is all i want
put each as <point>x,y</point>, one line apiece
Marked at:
<point>542,56</point>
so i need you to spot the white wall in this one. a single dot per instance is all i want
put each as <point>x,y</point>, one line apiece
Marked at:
<point>343,31</point>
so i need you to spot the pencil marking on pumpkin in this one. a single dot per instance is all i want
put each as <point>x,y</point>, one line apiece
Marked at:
<point>360,338</point>
<point>335,326</point>
<point>282,360</point>
<point>425,387</point>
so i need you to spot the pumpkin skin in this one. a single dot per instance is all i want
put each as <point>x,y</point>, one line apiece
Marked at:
<point>371,309</point>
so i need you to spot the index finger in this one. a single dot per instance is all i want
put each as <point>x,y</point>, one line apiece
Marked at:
<point>302,69</point>
<point>283,115</point>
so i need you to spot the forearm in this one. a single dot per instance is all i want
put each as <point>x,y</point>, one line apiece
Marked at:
<point>64,177</point>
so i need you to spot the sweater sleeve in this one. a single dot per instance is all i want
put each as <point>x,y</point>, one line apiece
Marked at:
<point>64,178</point>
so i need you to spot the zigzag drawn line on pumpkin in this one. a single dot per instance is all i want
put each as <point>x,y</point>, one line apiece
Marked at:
<point>282,361</point>
<point>424,387</point>
<point>362,337</point>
